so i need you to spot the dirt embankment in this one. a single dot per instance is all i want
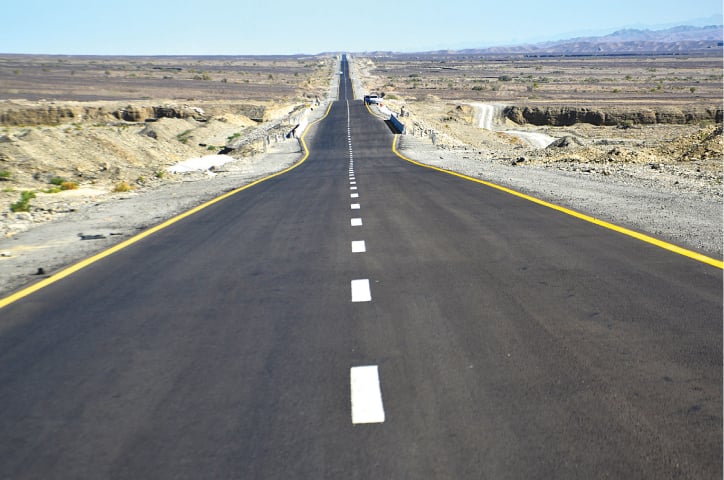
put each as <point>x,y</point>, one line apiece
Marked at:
<point>567,116</point>
<point>14,113</point>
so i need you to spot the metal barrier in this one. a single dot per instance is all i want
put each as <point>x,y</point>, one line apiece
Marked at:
<point>396,124</point>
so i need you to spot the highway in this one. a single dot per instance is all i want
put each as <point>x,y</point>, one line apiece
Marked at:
<point>361,317</point>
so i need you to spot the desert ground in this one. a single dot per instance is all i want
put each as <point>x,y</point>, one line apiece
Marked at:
<point>97,141</point>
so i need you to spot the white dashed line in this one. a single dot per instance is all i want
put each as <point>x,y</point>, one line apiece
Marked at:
<point>355,222</point>
<point>361,291</point>
<point>353,183</point>
<point>366,395</point>
<point>354,206</point>
<point>353,188</point>
<point>354,195</point>
<point>358,246</point>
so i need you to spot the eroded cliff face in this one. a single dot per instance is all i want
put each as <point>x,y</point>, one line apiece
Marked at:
<point>566,116</point>
<point>16,114</point>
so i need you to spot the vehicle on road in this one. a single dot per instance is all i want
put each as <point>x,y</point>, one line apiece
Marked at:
<point>370,99</point>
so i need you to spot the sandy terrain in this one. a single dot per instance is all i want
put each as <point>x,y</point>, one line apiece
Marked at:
<point>592,81</point>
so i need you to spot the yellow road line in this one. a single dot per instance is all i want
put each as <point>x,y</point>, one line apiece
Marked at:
<point>110,251</point>
<point>625,231</point>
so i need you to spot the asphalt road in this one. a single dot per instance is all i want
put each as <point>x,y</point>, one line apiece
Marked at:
<point>502,339</point>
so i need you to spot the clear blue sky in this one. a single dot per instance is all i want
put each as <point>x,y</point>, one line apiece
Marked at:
<point>229,27</point>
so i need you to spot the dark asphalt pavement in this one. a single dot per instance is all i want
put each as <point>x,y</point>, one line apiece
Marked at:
<point>511,340</point>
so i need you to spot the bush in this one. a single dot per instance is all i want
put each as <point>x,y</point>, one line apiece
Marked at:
<point>23,205</point>
<point>122,187</point>
<point>61,184</point>
<point>505,78</point>
<point>4,175</point>
<point>183,136</point>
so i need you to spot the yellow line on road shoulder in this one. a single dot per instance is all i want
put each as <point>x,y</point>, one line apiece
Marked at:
<point>625,231</point>
<point>110,251</point>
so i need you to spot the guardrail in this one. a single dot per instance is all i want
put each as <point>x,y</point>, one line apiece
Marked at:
<point>397,125</point>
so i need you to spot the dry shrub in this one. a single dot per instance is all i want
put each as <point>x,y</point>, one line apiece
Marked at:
<point>122,187</point>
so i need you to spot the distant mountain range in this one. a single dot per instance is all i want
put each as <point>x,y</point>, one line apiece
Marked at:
<point>682,39</point>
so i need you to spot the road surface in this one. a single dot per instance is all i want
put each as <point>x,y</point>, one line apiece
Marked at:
<point>361,317</point>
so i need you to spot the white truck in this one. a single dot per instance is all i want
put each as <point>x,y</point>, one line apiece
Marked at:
<point>370,99</point>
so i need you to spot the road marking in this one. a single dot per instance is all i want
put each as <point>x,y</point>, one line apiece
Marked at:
<point>358,246</point>
<point>354,206</point>
<point>354,195</point>
<point>581,216</point>
<point>361,290</point>
<point>355,222</point>
<point>353,188</point>
<point>353,183</point>
<point>366,395</point>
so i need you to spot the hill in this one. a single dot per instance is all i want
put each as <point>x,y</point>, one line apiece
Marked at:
<point>676,40</point>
